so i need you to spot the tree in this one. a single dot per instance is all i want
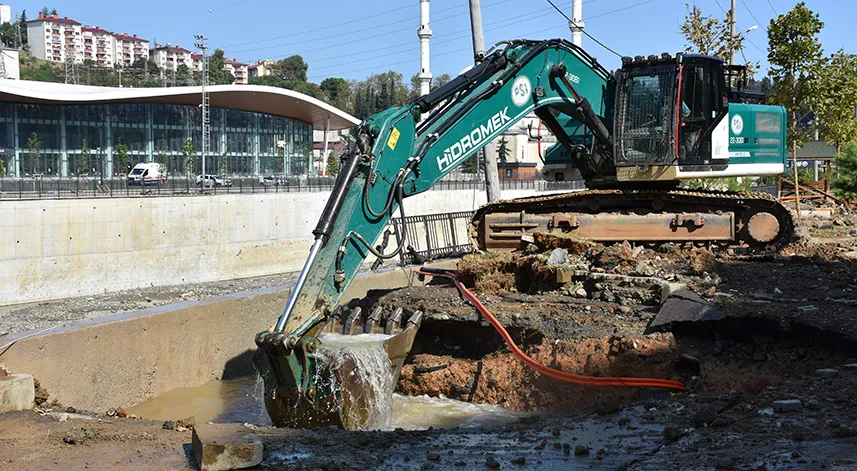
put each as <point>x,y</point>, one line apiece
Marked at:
<point>162,154</point>
<point>835,114</point>
<point>379,92</point>
<point>440,81</point>
<point>45,72</point>
<point>33,145</point>
<point>123,160</point>
<point>291,69</point>
<point>333,165</point>
<point>183,75</point>
<point>223,163</point>
<point>22,24</point>
<point>796,61</point>
<point>338,93</point>
<point>9,34</point>
<point>846,164</point>
<point>712,36</point>
<point>45,11</point>
<point>217,73</point>
<point>503,151</point>
<point>83,163</point>
<point>189,154</point>
<point>2,168</point>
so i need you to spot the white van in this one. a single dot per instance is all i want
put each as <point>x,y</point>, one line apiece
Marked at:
<point>147,173</point>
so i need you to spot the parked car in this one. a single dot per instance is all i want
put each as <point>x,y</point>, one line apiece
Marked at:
<point>147,173</point>
<point>270,180</point>
<point>209,181</point>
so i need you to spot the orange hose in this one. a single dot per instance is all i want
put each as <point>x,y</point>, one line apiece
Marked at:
<point>546,370</point>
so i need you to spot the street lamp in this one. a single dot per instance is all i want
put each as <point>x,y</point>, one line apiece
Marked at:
<point>202,45</point>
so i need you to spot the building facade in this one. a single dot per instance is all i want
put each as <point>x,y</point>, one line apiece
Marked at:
<point>130,49</point>
<point>170,57</point>
<point>53,38</point>
<point>261,69</point>
<point>99,46</point>
<point>69,130</point>
<point>237,69</point>
<point>5,14</point>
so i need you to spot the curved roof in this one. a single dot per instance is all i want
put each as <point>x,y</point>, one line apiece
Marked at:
<point>258,98</point>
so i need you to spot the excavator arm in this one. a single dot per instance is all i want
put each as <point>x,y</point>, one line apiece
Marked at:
<point>398,153</point>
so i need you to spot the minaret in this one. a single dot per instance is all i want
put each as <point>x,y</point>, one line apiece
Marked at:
<point>576,24</point>
<point>424,32</point>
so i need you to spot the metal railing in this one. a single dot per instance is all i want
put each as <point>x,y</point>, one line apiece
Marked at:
<point>96,187</point>
<point>429,237</point>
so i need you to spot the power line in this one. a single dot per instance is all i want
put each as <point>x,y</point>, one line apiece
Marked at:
<point>754,16</point>
<point>772,7</point>
<point>584,31</point>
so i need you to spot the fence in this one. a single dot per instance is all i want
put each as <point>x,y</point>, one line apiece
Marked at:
<point>428,237</point>
<point>95,187</point>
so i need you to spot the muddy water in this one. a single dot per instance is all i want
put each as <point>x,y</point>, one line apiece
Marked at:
<point>240,401</point>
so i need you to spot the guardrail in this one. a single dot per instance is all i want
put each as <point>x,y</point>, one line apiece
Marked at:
<point>96,187</point>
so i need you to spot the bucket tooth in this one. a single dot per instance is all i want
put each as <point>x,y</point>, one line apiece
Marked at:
<point>334,324</point>
<point>374,321</point>
<point>352,323</point>
<point>393,321</point>
<point>416,319</point>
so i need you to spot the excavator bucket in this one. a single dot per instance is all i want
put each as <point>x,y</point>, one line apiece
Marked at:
<point>337,372</point>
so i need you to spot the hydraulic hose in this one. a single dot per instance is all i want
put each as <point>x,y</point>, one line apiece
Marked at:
<point>546,370</point>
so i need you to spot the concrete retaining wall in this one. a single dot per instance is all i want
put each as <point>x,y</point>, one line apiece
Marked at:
<point>60,248</point>
<point>125,359</point>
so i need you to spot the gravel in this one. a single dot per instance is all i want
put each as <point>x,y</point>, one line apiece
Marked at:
<point>23,317</point>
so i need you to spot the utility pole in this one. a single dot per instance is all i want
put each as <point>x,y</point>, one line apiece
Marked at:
<point>732,35</point>
<point>576,24</point>
<point>492,179</point>
<point>424,33</point>
<point>3,65</point>
<point>202,45</point>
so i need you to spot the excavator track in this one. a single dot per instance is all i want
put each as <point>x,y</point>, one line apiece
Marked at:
<point>754,221</point>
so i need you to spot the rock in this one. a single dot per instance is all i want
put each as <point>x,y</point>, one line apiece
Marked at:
<point>432,455</point>
<point>566,449</point>
<point>110,412</point>
<point>555,432</point>
<point>17,392</point>
<point>626,309</point>
<point>557,257</point>
<point>687,362</point>
<point>491,462</point>
<point>645,268</point>
<point>520,461</point>
<point>788,405</point>
<point>460,464</point>
<point>220,447</point>
<point>850,366</point>
<point>581,450</point>
<point>187,422</point>
<point>671,434</point>
<point>668,247</point>
<point>580,293</point>
<point>120,412</point>
<point>169,425</point>
<point>720,422</point>
<point>704,418</point>
<point>826,372</point>
<point>623,421</point>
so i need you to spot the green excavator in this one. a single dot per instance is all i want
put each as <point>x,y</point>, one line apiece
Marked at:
<point>633,135</point>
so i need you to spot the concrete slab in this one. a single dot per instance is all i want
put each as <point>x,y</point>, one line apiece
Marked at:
<point>222,447</point>
<point>17,392</point>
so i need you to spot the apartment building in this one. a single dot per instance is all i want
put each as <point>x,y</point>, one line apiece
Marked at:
<point>261,68</point>
<point>99,46</point>
<point>237,69</point>
<point>130,49</point>
<point>170,57</point>
<point>52,38</point>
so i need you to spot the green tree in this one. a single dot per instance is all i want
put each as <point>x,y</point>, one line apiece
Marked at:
<point>379,92</point>
<point>22,24</point>
<point>338,93</point>
<point>503,150</point>
<point>709,35</point>
<point>9,34</point>
<point>835,114</point>
<point>33,145</point>
<point>217,73</point>
<point>183,75</point>
<point>440,81</point>
<point>795,55</point>
<point>223,163</point>
<point>162,155</point>
<point>333,165</point>
<point>189,154</point>
<point>123,160</point>
<point>846,182</point>
<point>291,69</point>
<point>83,163</point>
<point>2,168</point>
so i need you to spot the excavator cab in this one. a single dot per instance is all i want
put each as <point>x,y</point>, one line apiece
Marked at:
<point>670,112</point>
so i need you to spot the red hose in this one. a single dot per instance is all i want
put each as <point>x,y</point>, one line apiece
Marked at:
<point>546,370</point>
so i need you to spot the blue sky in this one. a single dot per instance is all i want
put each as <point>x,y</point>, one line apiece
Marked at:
<point>354,38</point>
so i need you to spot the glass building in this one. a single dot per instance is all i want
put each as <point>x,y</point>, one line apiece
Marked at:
<point>70,138</point>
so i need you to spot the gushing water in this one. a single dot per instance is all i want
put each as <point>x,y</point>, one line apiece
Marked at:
<point>362,382</point>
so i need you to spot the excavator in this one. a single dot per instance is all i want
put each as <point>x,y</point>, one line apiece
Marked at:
<point>633,135</point>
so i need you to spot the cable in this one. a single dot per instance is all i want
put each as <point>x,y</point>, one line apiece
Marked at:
<point>754,16</point>
<point>584,31</point>
<point>772,7</point>
<point>581,380</point>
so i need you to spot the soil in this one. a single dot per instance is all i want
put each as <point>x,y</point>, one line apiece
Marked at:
<point>787,332</point>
